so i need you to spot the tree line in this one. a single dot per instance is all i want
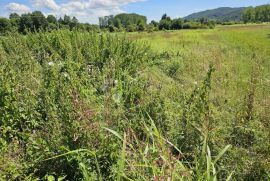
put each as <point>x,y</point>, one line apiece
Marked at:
<point>129,22</point>
<point>135,22</point>
<point>36,21</point>
<point>257,14</point>
<point>167,23</point>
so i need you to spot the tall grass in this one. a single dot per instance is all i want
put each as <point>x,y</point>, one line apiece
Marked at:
<point>88,106</point>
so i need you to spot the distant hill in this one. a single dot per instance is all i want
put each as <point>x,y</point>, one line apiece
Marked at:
<point>220,14</point>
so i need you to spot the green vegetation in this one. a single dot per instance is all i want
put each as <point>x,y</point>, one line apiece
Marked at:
<point>228,16</point>
<point>257,14</point>
<point>166,23</point>
<point>224,14</point>
<point>36,21</point>
<point>134,22</point>
<point>239,96</point>
<point>175,105</point>
<point>129,22</point>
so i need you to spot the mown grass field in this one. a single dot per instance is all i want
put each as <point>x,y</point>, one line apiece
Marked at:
<point>174,105</point>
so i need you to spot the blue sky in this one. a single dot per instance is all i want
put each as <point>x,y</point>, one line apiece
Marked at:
<point>179,8</point>
<point>90,10</point>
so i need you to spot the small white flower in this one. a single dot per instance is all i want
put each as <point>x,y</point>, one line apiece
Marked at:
<point>66,75</point>
<point>196,83</point>
<point>51,64</point>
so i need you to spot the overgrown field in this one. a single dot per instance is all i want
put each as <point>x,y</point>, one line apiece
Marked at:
<point>177,105</point>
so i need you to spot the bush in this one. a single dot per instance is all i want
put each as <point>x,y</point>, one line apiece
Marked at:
<point>112,28</point>
<point>131,28</point>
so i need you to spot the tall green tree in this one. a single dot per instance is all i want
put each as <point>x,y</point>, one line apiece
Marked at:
<point>141,25</point>
<point>164,16</point>
<point>14,16</point>
<point>165,22</point>
<point>67,20</point>
<point>14,21</point>
<point>154,23</point>
<point>39,21</point>
<point>26,23</point>
<point>177,24</point>
<point>5,26</point>
<point>128,19</point>
<point>117,23</point>
<point>257,14</point>
<point>51,19</point>
<point>74,23</point>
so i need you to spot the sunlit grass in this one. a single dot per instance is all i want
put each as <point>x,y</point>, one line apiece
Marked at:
<point>168,105</point>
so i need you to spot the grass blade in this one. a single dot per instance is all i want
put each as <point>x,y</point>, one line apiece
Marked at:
<point>222,153</point>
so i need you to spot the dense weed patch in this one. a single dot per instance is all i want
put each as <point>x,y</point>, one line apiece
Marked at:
<point>89,106</point>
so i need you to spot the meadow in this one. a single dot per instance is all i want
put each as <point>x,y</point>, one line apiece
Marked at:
<point>166,105</point>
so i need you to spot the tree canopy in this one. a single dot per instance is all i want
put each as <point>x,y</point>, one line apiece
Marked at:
<point>257,14</point>
<point>37,21</point>
<point>130,22</point>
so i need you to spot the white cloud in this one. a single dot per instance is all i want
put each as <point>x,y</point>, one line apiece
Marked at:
<point>84,10</point>
<point>90,10</point>
<point>50,4</point>
<point>111,3</point>
<point>18,8</point>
